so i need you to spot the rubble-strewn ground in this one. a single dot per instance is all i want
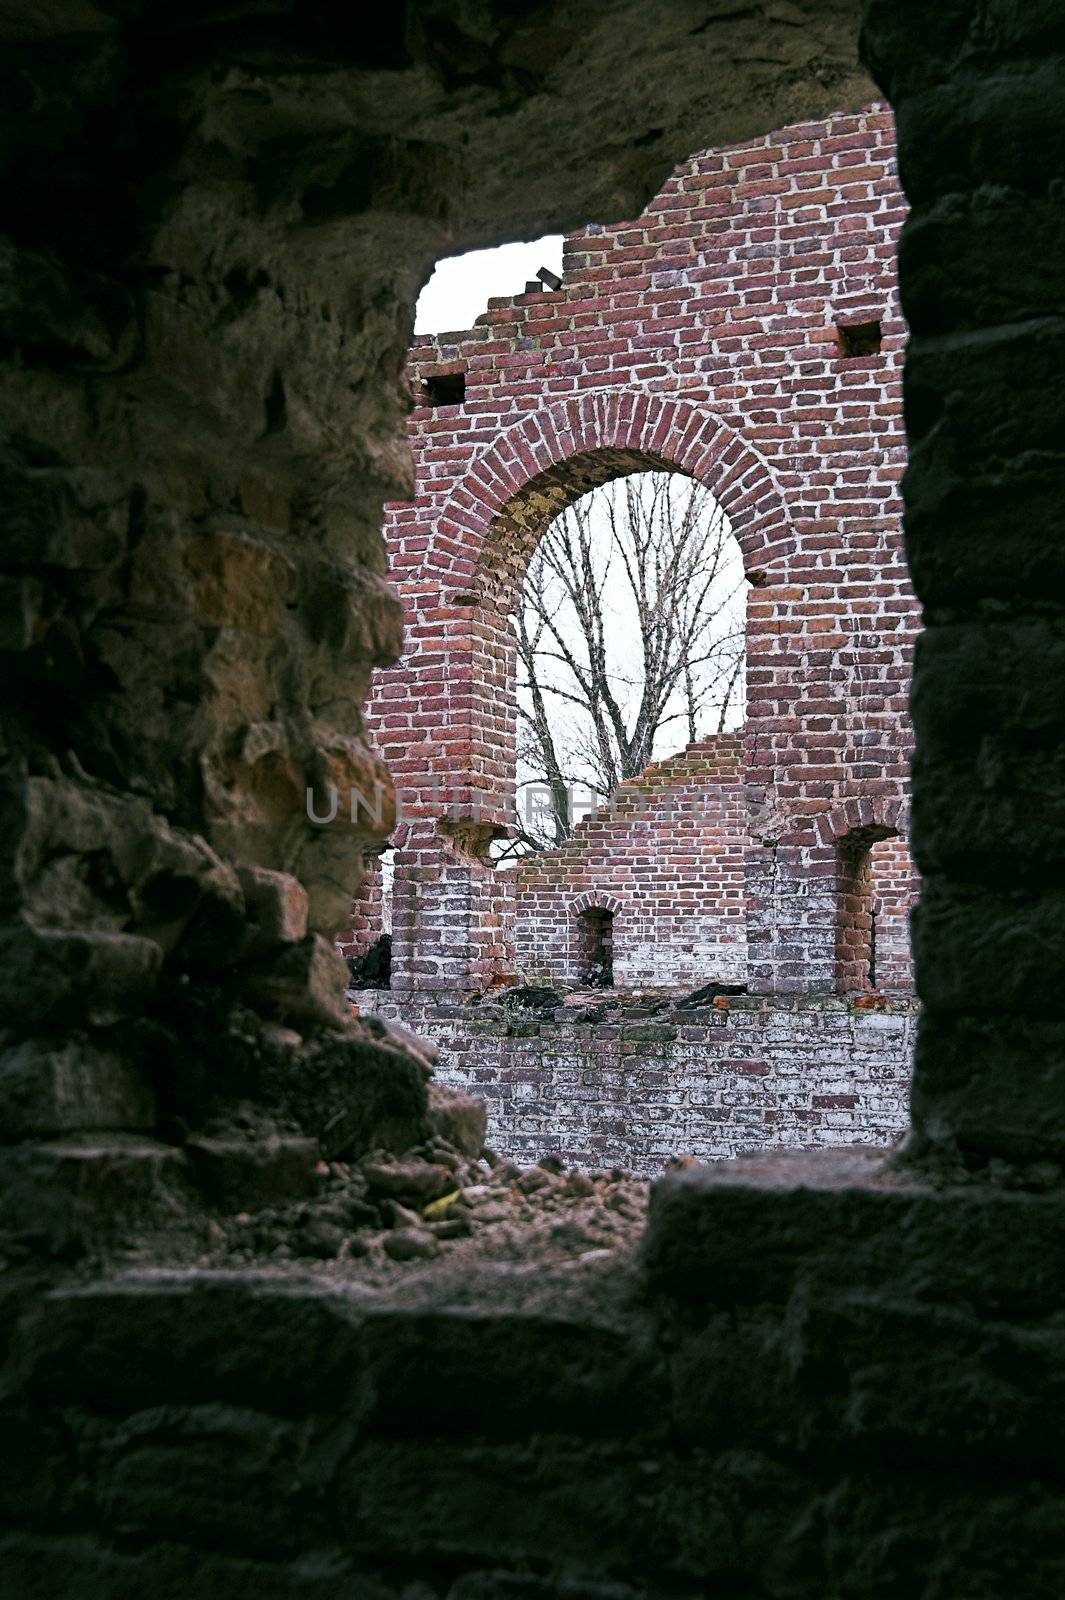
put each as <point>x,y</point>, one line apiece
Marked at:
<point>377,1218</point>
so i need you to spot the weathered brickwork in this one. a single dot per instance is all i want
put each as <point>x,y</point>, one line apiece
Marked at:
<point>714,335</point>
<point>664,861</point>
<point>623,1082</point>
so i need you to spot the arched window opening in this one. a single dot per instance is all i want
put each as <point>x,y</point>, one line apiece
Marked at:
<point>595,948</point>
<point>631,636</point>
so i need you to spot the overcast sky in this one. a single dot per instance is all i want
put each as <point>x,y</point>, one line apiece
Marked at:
<point>459,288</point>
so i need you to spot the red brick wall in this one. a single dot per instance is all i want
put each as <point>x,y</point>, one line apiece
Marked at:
<point>700,337</point>
<point>667,859</point>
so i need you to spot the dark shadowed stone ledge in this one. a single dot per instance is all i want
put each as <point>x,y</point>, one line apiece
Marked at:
<point>750,1230</point>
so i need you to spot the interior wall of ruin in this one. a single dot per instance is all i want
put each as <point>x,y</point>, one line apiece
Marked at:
<point>664,858</point>
<point>634,1081</point>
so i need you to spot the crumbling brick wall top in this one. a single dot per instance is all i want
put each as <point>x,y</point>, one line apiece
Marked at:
<point>665,857</point>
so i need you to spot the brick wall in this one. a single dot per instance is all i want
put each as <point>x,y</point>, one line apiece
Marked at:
<point>709,336</point>
<point>665,860</point>
<point>623,1081</point>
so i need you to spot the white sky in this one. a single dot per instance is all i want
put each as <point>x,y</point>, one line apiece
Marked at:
<point>459,288</point>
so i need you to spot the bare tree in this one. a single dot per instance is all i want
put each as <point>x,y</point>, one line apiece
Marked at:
<point>628,626</point>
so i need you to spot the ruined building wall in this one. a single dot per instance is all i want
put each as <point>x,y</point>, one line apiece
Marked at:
<point>723,333</point>
<point>664,860</point>
<point>615,1080</point>
<point>744,330</point>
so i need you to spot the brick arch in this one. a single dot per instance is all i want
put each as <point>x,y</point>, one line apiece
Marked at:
<point>592,949</point>
<point>876,816</point>
<point>594,900</point>
<point>489,527</point>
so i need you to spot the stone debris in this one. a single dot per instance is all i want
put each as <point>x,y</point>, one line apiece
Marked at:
<point>421,1181</point>
<point>411,1244</point>
<point>393,1211</point>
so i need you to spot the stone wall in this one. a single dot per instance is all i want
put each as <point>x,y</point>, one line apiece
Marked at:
<point>821,1378</point>
<point>629,1081</point>
<point>827,1374</point>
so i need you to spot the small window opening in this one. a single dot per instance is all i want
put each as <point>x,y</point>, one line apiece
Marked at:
<point>596,948</point>
<point>859,338</point>
<point>854,958</point>
<point>863,858</point>
<point>370,960</point>
<point>373,969</point>
<point>445,388</point>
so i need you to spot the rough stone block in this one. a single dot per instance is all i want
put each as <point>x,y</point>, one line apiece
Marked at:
<point>353,1091</point>
<point>53,976</point>
<point>416,1182</point>
<point>160,1338</point>
<point>277,905</point>
<point>751,1231</point>
<point>61,1194</point>
<point>460,1367</point>
<point>238,582</point>
<point>245,1174</point>
<point>20,605</point>
<point>160,1474</point>
<point>49,1087</point>
<point>991,1090</point>
<point>304,982</point>
<point>38,1567</point>
<point>461,1119</point>
<point>988,948</point>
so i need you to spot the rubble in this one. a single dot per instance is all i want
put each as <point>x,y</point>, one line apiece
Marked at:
<point>392,1212</point>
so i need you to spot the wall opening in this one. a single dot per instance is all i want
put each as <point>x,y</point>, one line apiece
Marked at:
<point>369,951</point>
<point>859,338</point>
<point>460,287</point>
<point>629,630</point>
<point>444,388</point>
<point>595,948</point>
<point>873,872</point>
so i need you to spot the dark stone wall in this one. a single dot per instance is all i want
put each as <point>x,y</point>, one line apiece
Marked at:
<point>981,155</point>
<point>825,1376</point>
<point>821,1379</point>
